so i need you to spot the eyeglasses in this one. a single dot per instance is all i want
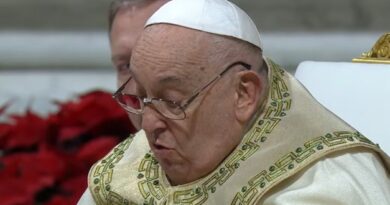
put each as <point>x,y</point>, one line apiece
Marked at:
<point>168,108</point>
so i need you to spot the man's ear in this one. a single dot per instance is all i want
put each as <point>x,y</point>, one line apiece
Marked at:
<point>248,91</point>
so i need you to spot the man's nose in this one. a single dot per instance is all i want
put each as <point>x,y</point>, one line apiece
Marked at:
<point>152,120</point>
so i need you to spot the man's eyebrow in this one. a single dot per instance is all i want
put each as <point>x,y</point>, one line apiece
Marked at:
<point>118,57</point>
<point>170,79</point>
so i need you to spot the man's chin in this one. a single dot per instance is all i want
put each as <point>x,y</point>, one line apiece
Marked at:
<point>168,159</point>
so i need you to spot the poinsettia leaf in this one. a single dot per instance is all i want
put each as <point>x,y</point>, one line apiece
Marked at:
<point>74,188</point>
<point>68,133</point>
<point>27,131</point>
<point>5,130</point>
<point>12,192</point>
<point>96,149</point>
<point>92,111</point>
<point>59,200</point>
<point>30,173</point>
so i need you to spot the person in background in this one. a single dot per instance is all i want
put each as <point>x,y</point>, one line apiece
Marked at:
<point>126,21</point>
<point>221,124</point>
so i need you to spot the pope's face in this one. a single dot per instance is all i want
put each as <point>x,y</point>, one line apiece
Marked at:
<point>171,62</point>
<point>126,28</point>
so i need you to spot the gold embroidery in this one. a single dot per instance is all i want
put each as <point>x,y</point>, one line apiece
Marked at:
<point>150,188</point>
<point>259,183</point>
<point>279,104</point>
<point>102,176</point>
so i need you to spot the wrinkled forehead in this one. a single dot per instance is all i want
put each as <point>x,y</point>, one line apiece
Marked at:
<point>172,39</point>
<point>165,48</point>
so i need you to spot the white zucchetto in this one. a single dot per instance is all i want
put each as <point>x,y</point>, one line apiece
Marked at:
<point>213,16</point>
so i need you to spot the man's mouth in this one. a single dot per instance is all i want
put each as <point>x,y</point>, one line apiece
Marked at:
<point>159,147</point>
<point>162,151</point>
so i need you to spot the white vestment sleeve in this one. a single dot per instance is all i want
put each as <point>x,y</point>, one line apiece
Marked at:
<point>86,199</point>
<point>348,179</point>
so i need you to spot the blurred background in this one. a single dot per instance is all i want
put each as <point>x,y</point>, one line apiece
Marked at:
<point>52,49</point>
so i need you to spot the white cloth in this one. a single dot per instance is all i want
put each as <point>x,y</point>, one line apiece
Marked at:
<point>357,92</point>
<point>347,179</point>
<point>86,198</point>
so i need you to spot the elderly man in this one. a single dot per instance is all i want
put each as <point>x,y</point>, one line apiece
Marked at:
<point>223,125</point>
<point>126,22</point>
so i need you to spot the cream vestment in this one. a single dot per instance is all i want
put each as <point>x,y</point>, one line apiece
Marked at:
<point>296,152</point>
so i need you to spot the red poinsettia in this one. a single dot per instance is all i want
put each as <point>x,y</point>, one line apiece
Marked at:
<point>32,125</point>
<point>45,160</point>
